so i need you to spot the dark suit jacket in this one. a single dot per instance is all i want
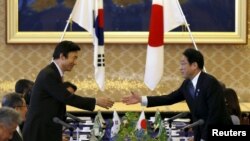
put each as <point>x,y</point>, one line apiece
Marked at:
<point>16,137</point>
<point>48,100</point>
<point>208,103</point>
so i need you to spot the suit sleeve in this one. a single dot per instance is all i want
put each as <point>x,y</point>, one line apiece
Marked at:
<point>55,88</point>
<point>172,98</point>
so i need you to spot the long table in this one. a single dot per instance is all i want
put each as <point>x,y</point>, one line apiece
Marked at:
<point>121,107</point>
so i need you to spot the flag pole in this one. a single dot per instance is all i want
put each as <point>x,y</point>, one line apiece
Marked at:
<point>64,31</point>
<point>189,31</point>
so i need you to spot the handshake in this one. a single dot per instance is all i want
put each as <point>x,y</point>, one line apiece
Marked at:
<point>107,103</point>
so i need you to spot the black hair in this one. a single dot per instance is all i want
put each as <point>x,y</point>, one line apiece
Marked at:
<point>194,56</point>
<point>232,102</point>
<point>23,85</point>
<point>65,47</point>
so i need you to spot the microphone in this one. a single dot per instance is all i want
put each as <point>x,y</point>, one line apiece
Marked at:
<point>176,116</point>
<point>74,117</point>
<point>58,121</point>
<point>198,122</point>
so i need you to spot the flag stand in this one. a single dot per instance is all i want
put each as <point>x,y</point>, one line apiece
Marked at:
<point>169,130</point>
<point>71,135</point>
<point>77,131</point>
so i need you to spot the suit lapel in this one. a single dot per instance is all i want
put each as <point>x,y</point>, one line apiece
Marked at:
<point>16,137</point>
<point>199,84</point>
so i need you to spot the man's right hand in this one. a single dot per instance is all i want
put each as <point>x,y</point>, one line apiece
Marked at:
<point>104,102</point>
<point>132,99</point>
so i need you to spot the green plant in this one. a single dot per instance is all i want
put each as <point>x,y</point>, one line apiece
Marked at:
<point>128,133</point>
<point>127,128</point>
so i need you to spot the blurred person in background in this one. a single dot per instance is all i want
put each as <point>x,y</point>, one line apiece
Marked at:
<point>9,120</point>
<point>233,105</point>
<point>15,101</point>
<point>24,87</point>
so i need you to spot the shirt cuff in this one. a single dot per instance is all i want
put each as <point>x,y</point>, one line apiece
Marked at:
<point>144,101</point>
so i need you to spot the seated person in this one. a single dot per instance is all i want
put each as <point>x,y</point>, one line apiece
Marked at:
<point>24,87</point>
<point>15,101</point>
<point>233,106</point>
<point>9,119</point>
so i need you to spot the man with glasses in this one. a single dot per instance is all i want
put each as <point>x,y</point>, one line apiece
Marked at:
<point>9,119</point>
<point>17,102</point>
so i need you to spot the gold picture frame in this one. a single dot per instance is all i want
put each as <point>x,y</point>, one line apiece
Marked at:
<point>237,37</point>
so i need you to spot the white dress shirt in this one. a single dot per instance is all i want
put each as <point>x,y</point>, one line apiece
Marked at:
<point>59,69</point>
<point>19,131</point>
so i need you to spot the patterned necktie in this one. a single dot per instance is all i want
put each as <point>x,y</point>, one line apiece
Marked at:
<point>191,89</point>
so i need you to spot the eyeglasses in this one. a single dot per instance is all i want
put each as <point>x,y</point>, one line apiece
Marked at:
<point>22,106</point>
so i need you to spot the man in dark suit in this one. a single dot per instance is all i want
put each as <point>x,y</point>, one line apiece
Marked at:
<point>205,102</point>
<point>15,101</point>
<point>49,96</point>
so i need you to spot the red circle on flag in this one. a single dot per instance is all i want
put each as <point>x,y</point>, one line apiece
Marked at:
<point>143,124</point>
